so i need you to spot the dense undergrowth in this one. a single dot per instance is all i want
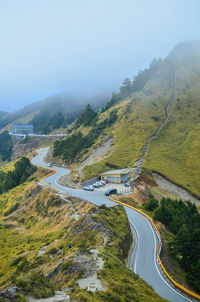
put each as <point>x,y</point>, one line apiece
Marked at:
<point>21,172</point>
<point>6,146</point>
<point>46,121</point>
<point>183,220</point>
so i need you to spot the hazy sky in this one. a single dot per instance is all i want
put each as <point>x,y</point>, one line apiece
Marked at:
<point>53,46</point>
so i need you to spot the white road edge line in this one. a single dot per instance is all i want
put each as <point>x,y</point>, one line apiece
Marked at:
<point>137,247</point>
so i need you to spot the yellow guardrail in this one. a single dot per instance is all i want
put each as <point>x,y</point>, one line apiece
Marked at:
<point>45,176</point>
<point>176,284</point>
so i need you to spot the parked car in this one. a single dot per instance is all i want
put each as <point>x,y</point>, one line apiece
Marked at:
<point>111,191</point>
<point>49,165</point>
<point>127,184</point>
<point>102,182</point>
<point>88,188</point>
<point>96,185</point>
<point>99,183</point>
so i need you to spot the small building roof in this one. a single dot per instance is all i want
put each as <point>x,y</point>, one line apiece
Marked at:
<point>20,124</point>
<point>118,171</point>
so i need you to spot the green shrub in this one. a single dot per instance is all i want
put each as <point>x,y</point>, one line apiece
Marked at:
<point>183,220</point>
<point>37,285</point>
<point>65,266</point>
<point>52,251</point>
<point>152,204</point>
<point>23,169</point>
<point>24,266</point>
<point>102,207</point>
<point>20,298</point>
<point>6,145</point>
<point>12,209</point>
<point>17,261</point>
<point>155,118</point>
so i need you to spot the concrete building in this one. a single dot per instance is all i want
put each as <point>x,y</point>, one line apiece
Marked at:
<point>116,176</point>
<point>23,129</point>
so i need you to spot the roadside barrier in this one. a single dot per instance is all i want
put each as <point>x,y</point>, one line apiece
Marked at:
<point>124,191</point>
<point>45,176</point>
<point>184,290</point>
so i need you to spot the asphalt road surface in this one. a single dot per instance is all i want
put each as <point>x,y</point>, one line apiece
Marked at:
<point>142,259</point>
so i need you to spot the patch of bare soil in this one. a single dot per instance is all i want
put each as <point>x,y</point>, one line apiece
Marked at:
<point>103,150</point>
<point>90,280</point>
<point>22,148</point>
<point>60,296</point>
<point>66,181</point>
<point>177,191</point>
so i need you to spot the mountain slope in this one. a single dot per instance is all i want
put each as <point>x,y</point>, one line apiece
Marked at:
<point>2,114</point>
<point>140,113</point>
<point>175,152</point>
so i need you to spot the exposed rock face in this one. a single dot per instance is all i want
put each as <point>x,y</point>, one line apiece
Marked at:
<point>54,272</point>
<point>9,293</point>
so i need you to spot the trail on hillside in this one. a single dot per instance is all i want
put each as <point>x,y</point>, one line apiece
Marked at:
<point>149,139</point>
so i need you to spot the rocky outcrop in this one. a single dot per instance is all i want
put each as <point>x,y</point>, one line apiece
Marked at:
<point>9,293</point>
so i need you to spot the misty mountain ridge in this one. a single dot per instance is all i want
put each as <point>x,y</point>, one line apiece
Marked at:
<point>69,105</point>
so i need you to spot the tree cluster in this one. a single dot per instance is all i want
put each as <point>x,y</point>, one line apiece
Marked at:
<point>23,169</point>
<point>72,147</point>
<point>6,145</point>
<point>183,220</point>
<point>152,203</point>
<point>140,79</point>
<point>87,117</point>
<point>136,85</point>
<point>45,121</point>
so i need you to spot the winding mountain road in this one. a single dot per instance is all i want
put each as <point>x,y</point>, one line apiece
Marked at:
<point>142,259</point>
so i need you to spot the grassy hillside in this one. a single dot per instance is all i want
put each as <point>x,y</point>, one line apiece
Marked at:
<point>34,240</point>
<point>140,115</point>
<point>175,153</point>
<point>135,125</point>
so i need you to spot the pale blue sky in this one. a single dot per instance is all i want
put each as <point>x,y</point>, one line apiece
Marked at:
<point>88,46</point>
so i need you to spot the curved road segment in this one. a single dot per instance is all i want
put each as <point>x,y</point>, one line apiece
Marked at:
<point>142,259</point>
